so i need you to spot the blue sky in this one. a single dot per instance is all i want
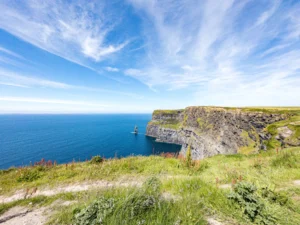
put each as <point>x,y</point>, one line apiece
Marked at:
<point>139,55</point>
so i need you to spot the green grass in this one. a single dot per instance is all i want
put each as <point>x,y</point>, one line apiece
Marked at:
<point>196,190</point>
<point>167,112</point>
<point>250,146</point>
<point>293,124</point>
<point>171,124</point>
<point>219,166</point>
<point>37,201</point>
<point>269,110</point>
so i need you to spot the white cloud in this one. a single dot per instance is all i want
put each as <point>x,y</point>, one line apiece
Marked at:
<point>268,13</point>
<point>111,69</point>
<point>134,72</point>
<point>12,84</point>
<point>10,78</point>
<point>221,50</point>
<point>15,79</point>
<point>74,31</point>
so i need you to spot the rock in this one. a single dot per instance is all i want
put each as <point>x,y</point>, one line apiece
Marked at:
<point>212,130</point>
<point>212,221</point>
<point>284,132</point>
<point>263,147</point>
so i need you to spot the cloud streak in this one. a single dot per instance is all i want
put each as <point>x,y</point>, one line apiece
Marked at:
<point>73,31</point>
<point>111,69</point>
<point>221,48</point>
<point>15,79</point>
<point>10,78</point>
<point>221,52</point>
<point>11,53</point>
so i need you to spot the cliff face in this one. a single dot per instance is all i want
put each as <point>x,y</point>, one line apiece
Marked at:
<point>214,130</point>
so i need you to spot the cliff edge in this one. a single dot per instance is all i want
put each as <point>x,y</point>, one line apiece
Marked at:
<point>222,130</point>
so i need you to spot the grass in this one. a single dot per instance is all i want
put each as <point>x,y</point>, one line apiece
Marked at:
<point>37,201</point>
<point>220,166</point>
<point>196,190</point>
<point>264,109</point>
<point>167,112</point>
<point>250,147</point>
<point>293,124</point>
<point>171,124</point>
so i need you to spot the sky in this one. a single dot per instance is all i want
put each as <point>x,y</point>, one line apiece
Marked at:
<point>134,56</point>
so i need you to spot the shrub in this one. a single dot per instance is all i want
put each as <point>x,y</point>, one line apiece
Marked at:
<point>28,175</point>
<point>96,159</point>
<point>200,166</point>
<point>152,185</point>
<point>138,204</point>
<point>135,206</point>
<point>274,197</point>
<point>95,213</point>
<point>144,200</point>
<point>245,196</point>
<point>258,164</point>
<point>189,157</point>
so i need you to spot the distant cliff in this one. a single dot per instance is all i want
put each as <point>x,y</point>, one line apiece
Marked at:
<point>216,130</point>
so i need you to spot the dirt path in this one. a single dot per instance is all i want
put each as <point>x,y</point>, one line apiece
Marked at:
<point>212,221</point>
<point>82,186</point>
<point>24,216</point>
<point>296,182</point>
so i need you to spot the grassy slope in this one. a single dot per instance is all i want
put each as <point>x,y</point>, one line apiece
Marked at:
<point>280,110</point>
<point>198,188</point>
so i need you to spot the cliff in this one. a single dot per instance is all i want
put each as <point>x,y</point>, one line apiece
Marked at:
<point>216,130</point>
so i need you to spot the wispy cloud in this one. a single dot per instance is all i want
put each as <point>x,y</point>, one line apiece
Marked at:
<point>11,53</point>
<point>111,69</point>
<point>12,84</point>
<point>221,48</point>
<point>10,78</point>
<point>74,31</point>
<point>214,51</point>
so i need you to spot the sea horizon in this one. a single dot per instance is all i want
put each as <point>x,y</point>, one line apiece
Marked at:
<point>63,138</point>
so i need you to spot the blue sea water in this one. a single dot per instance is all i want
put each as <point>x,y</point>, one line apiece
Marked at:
<point>29,138</point>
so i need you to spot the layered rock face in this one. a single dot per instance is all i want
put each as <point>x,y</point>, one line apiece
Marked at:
<point>213,130</point>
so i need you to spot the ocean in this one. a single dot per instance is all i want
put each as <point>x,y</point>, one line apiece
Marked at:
<point>26,139</point>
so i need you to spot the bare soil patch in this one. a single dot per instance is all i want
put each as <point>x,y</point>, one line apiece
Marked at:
<point>25,216</point>
<point>77,187</point>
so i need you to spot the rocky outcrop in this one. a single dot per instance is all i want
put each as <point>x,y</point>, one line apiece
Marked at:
<point>213,130</point>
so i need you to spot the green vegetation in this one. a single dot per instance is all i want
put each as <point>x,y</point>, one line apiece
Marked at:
<point>172,124</point>
<point>188,157</point>
<point>167,112</point>
<point>245,196</point>
<point>287,160</point>
<point>293,124</point>
<point>251,146</point>
<point>276,110</point>
<point>170,192</point>
<point>204,125</point>
<point>29,175</point>
<point>185,118</point>
<point>96,159</point>
<point>291,111</point>
<point>142,206</point>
